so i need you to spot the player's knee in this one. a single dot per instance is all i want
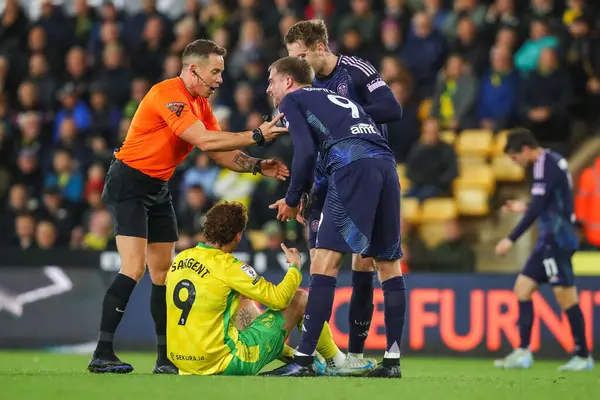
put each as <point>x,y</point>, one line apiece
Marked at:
<point>566,296</point>
<point>299,302</point>
<point>388,269</point>
<point>524,288</point>
<point>362,264</point>
<point>159,260</point>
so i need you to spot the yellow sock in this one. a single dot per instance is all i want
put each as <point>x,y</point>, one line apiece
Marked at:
<point>287,352</point>
<point>326,346</point>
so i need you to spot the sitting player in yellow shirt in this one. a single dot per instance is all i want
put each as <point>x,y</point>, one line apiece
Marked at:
<point>213,327</point>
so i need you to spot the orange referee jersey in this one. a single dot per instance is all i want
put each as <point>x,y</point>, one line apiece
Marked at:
<point>152,145</point>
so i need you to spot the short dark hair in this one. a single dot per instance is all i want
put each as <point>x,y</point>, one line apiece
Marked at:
<point>297,68</point>
<point>519,138</point>
<point>202,48</point>
<point>224,221</point>
<point>311,33</point>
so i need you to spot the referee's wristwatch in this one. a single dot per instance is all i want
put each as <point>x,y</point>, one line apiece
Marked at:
<point>256,169</point>
<point>258,137</point>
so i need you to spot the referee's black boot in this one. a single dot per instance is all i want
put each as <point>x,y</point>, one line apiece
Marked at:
<point>113,366</point>
<point>386,371</point>
<point>166,368</point>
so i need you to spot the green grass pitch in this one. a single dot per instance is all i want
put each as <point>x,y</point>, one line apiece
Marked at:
<point>47,376</point>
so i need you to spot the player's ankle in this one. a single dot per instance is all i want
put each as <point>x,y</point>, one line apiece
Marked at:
<point>304,360</point>
<point>390,362</point>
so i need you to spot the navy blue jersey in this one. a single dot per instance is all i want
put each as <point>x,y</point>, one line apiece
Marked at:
<point>359,81</point>
<point>335,127</point>
<point>552,203</point>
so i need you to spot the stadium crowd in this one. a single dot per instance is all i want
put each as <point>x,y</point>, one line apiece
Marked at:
<point>71,80</point>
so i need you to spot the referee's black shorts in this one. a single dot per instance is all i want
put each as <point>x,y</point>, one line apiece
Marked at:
<point>141,206</point>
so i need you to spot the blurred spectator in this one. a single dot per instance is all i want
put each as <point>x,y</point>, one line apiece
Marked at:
<point>545,100</point>
<point>60,212</point>
<point>414,248</point>
<point>77,76</point>
<point>424,53</point>
<point>473,9</point>
<point>171,66</point>
<point>81,23</point>
<point>191,212</point>
<point>25,227</point>
<point>455,97</point>
<point>213,17</point>
<point>431,166</point>
<point>470,46</point>
<point>69,139</point>
<point>45,235</point>
<point>250,43</point>
<point>502,14</point>
<point>29,172</point>
<point>391,38</point>
<point>454,254</point>
<point>583,61</point>
<point>404,133</point>
<point>139,88</point>
<point>31,132</point>
<point>526,59</point>
<point>437,13</point>
<point>507,38</point>
<point>18,203</point>
<point>203,173</point>
<point>74,108</point>
<point>14,26</point>
<point>498,91</point>
<point>100,235</point>
<point>325,10</point>
<point>274,234</point>
<point>147,59</point>
<point>363,18</point>
<point>353,45</point>
<point>46,84</point>
<point>115,77</point>
<point>65,176</point>
<point>105,117</point>
<point>399,12</point>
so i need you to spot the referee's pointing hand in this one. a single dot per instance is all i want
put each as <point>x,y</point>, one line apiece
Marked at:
<point>270,130</point>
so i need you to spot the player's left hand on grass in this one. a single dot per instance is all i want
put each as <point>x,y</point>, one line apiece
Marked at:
<point>274,169</point>
<point>503,247</point>
<point>284,212</point>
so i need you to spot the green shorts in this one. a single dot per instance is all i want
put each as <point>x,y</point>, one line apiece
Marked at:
<point>258,345</point>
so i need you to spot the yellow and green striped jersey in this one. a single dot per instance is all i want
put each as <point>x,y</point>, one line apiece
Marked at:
<point>204,286</point>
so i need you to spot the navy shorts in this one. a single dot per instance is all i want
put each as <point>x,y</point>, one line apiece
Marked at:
<point>361,213</point>
<point>314,216</point>
<point>550,264</point>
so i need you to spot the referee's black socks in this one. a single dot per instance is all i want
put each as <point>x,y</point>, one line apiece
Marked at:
<point>158,309</point>
<point>113,308</point>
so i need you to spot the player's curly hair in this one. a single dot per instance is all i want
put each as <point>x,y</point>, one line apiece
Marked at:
<point>311,33</point>
<point>224,221</point>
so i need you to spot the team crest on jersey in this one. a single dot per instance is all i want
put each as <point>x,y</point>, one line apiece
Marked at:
<point>342,89</point>
<point>314,225</point>
<point>248,270</point>
<point>175,107</point>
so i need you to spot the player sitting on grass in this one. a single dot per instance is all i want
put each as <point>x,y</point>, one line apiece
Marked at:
<point>550,262</point>
<point>208,289</point>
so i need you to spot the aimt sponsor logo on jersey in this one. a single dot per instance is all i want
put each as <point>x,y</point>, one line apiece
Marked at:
<point>363,128</point>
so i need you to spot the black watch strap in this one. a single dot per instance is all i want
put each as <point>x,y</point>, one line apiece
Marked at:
<point>256,169</point>
<point>258,137</point>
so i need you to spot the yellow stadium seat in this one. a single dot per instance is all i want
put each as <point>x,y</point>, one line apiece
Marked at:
<point>472,201</point>
<point>401,169</point>
<point>505,170</point>
<point>434,215</point>
<point>432,233</point>
<point>404,184</point>
<point>410,210</point>
<point>475,142</point>
<point>470,160</point>
<point>500,143</point>
<point>448,137</point>
<point>476,176</point>
<point>438,210</point>
<point>258,239</point>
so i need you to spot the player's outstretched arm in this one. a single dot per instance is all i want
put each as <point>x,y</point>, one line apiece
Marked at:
<point>207,140</point>
<point>276,297</point>
<point>239,161</point>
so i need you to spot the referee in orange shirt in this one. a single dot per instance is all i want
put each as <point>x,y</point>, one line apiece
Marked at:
<point>171,119</point>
